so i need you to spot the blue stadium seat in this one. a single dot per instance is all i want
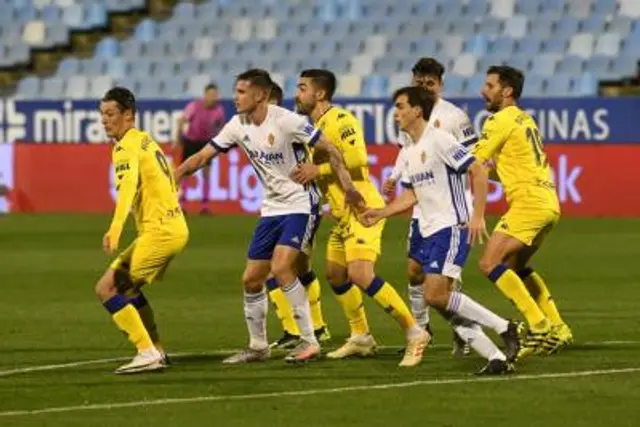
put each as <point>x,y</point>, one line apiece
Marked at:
<point>624,65</point>
<point>68,66</point>
<point>529,7</point>
<point>585,85</point>
<point>116,67</point>
<point>604,7</point>
<point>554,45</point>
<point>252,48</point>
<point>325,49</point>
<point>621,25</point>
<point>29,88</point>
<point>426,46</point>
<point>533,85</point>
<point>164,69</point>
<point>185,10</point>
<point>146,30</point>
<point>95,16</point>
<point>288,66</point>
<point>132,48</point>
<point>148,89</point>
<point>51,14</point>
<point>529,46</point>
<point>599,65</point>
<point>351,46</point>
<point>571,65</point>
<point>73,16</point>
<point>541,28</point>
<point>94,66</point>
<point>476,8</point>
<point>107,48</point>
<point>490,27</point>
<point>400,47</point>
<point>389,28</point>
<point>375,86</point>
<point>155,49</point>
<point>339,29</point>
<point>566,27</point>
<point>503,45</point>
<point>593,24</point>
<point>337,64</point>
<point>453,85</point>
<point>388,64</point>
<point>174,87</point>
<point>559,85</point>
<point>478,45</point>
<point>473,85</point>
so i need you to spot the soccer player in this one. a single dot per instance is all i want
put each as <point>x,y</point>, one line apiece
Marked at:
<point>511,141</point>
<point>352,249</point>
<point>428,74</point>
<point>434,168</point>
<point>275,140</point>
<point>204,118</point>
<point>308,279</point>
<point>145,186</point>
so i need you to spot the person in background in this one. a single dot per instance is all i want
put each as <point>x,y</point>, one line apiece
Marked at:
<point>204,119</point>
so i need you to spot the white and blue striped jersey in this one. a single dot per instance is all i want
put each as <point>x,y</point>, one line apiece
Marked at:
<point>435,168</point>
<point>274,149</point>
<point>449,118</point>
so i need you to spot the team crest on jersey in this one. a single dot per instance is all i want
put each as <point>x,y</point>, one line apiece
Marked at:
<point>436,124</point>
<point>423,156</point>
<point>271,139</point>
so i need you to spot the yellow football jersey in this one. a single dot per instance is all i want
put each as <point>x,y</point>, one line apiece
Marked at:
<point>145,186</point>
<point>512,140</point>
<point>343,130</point>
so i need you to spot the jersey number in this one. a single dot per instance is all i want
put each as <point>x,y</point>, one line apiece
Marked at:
<point>162,161</point>
<point>533,135</point>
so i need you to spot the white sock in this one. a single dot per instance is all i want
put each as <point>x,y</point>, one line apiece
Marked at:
<point>297,297</point>
<point>255,314</point>
<point>419,307</point>
<point>469,309</point>
<point>479,341</point>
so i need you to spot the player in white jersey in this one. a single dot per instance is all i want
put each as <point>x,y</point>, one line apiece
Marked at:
<point>428,74</point>
<point>433,172</point>
<point>275,140</point>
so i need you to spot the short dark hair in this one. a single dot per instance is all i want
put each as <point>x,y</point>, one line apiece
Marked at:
<point>428,67</point>
<point>509,76</point>
<point>323,79</point>
<point>276,93</point>
<point>123,97</point>
<point>417,97</point>
<point>257,77</point>
<point>210,86</point>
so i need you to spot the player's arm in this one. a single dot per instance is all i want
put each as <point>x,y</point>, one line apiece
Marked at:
<point>389,185</point>
<point>347,136</point>
<point>126,164</point>
<point>196,162</point>
<point>339,167</point>
<point>400,204</point>
<point>494,134</point>
<point>221,143</point>
<point>458,157</point>
<point>180,122</point>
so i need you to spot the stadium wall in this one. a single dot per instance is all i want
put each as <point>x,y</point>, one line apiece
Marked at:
<point>55,160</point>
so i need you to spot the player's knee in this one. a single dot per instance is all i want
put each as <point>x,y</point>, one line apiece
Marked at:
<point>251,282</point>
<point>416,276</point>
<point>486,265</point>
<point>436,297</point>
<point>335,276</point>
<point>105,287</point>
<point>283,272</point>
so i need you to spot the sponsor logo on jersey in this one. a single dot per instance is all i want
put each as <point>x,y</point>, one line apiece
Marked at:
<point>423,156</point>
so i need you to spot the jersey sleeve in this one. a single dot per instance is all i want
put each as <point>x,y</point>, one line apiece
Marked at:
<point>299,128</point>
<point>494,134</point>
<point>462,129</point>
<point>126,160</point>
<point>454,154</point>
<point>228,136</point>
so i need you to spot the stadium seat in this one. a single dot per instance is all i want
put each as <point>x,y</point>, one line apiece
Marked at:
<point>375,45</point>
<point>34,33</point>
<point>585,85</point>
<point>559,85</point>
<point>545,64</point>
<point>571,65</point>
<point>533,85</point>
<point>451,46</point>
<point>398,80</point>
<point>361,64</point>
<point>581,45</point>
<point>476,45</point>
<point>426,46</point>
<point>580,9</point>
<point>503,9</point>
<point>349,85</point>
<point>453,85</point>
<point>77,87</point>
<point>566,27</point>
<point>608,44</point>
<point>465,65</point>
<point>630,8</point>
<point>93,66</point>
<point>337,64</point>
<point>95,16</point>
<point>598,65</point>
<point>116,67</point>
<point>624,65</point>
<point>107,48</point>
<point>52,87</point>
<point>490,27</point>
<point>375,86</point>
<point>29,88</point>
<point>605,7</point>
<point>145,31</point>
<point>528,7</point>
<point>503,45</point>
<point>68,66</point>
<point>541,28</point>
<point>266,29</point>
<point>621,25</point>
<point>400,47</point>
<point>474,85</point>
<point>593,24</point>
<point>386,65</point>
<point>554,46</point>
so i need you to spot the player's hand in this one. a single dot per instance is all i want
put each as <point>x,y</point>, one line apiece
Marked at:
<point>108,246</point>
<point>354,199</point>
<point>389,187</point>
<point>305,173</point>
<point>370,217</point>
<point>477,230</point>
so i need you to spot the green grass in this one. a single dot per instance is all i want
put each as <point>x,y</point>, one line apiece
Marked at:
<point>49,315</point>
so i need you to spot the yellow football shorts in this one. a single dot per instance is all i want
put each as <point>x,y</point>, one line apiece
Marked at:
<point>148,256</point>
<point>349,241</point>
<point>530,225</point>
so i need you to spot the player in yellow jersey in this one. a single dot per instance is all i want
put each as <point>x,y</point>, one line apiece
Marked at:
<point>307,277</point>
<point>511,142</point>
<point>352,249</point>
<point>146,187</point>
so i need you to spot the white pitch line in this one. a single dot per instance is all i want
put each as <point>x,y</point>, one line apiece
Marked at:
<point>223,352</point>
<point>298,393</point>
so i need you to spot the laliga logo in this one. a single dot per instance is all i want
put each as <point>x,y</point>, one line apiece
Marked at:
<point>12,123</point>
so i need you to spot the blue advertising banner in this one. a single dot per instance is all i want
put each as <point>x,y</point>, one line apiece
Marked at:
<point>561,120</point>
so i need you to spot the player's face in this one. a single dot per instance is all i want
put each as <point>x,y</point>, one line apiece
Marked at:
<point>305,96</point>
<point>210,97</point>
<point>405,115</point>
<point>247,96</point>
<point>492,92</point>
<point>113,120</point>
<point>431,84</point>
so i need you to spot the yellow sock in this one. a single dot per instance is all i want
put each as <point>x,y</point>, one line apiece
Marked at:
<point>283,308</point>
<point>127,318</point>
<point>389,299</point>
<point>147,316</point>
<point>312,285</point>
<point>350,298</point>
<point>513,288</point>
<point>539,291</point>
